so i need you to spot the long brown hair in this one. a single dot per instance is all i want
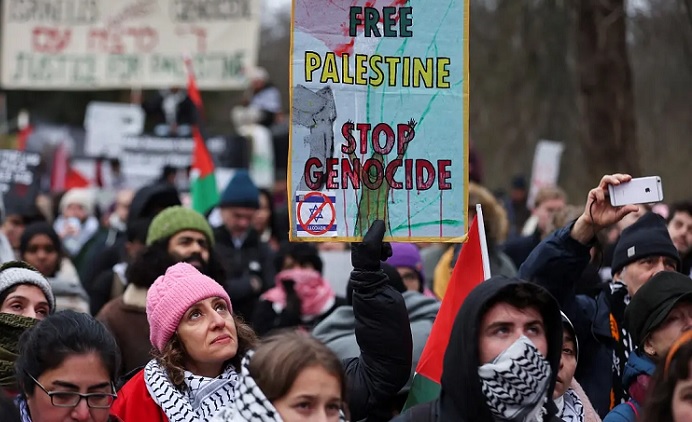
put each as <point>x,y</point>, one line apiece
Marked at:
<point>172,357</point>
<point>279,360</point>
<point>669,371</point>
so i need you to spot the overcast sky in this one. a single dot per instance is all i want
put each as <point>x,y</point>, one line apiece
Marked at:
<point>632,4</point>
<point>277,3</point>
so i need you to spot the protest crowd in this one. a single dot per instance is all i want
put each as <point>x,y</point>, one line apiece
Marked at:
<point>128,300</point>
<point>144,310</point>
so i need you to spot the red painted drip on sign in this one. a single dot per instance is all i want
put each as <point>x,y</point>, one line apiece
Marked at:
<point>441,213</point>
<point>408,211</point>
<point>345,216</point>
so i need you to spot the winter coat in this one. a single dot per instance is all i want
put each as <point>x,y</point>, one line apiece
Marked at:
<point>557,264</point>
<point>637,364</point>
<point>6,252</point>
<point>519,249</point>
<point>108,285</point>
<point>253,258</point>
<point>267,319</point>
<point>337,331</point>
<point>383,333</point>
<point>126,318</point>
<point>135,391</point>
<point>461,398</point>
<point>68,290</point>
<point>146,203</point>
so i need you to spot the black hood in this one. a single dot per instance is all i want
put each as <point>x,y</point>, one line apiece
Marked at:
<point>151,199</point>
<point>461,398</point>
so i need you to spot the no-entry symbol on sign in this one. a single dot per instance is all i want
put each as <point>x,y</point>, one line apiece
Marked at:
<point>316,214</point>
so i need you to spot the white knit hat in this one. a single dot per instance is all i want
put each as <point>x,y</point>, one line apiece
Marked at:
<point>82,196</point>
<point>14,273</point>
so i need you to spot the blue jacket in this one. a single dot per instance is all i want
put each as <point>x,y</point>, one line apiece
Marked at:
<point>636,365</point>
<point>557,264</point>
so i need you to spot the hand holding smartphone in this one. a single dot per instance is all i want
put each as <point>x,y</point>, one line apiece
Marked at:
<point>641,190</point>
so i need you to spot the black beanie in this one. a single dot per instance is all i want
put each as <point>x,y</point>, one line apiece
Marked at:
<point>648,236</point>
<point>653,302</point>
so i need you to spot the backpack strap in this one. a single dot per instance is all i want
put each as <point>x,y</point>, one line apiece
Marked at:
<point>634,408</point>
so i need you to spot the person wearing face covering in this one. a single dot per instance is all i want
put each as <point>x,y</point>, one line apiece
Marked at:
<point>572,403</point>
<point>503,357</point>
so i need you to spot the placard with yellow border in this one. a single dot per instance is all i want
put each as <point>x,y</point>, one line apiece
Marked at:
<point>379,119</point>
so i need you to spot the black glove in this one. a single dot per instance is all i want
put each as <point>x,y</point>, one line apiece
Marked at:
<point>366,255</point>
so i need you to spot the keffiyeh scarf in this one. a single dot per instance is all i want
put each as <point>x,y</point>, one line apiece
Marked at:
<point>23,408</point>
<point>252,405</point>
<point>570,407</point>
<point>203,397</point>
<point>515,384</point>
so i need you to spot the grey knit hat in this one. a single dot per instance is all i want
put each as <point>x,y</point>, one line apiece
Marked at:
<point>14,273</point>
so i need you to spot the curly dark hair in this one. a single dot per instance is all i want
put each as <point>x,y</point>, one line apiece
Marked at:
<point>155,260</point>
<point>172,357</point>
<point>669,371</point>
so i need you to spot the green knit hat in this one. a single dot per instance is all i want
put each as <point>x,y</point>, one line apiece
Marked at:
<point>175,219</point>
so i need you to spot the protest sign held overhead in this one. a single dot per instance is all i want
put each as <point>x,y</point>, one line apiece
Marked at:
<point>19,178</point>
<point>106,44</point>
<point>379,119</point>
<point>17,168</point>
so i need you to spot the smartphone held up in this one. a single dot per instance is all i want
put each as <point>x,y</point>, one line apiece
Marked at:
<point>640,190</point>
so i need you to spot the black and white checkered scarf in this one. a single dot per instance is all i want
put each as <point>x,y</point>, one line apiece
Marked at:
<point>570,407</point>
<point>252,405</point>
<point>203,397</point>
<point>515,384</point>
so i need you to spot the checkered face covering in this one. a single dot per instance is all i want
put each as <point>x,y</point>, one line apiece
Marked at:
<point>515,384</point>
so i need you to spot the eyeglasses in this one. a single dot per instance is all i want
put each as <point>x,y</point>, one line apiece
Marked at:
<point>72,399</point>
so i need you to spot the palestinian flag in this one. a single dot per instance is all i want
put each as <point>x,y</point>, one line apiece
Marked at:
<point>203,180</point>
<point>468,272</point>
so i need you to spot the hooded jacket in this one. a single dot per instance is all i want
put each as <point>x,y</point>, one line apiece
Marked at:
<point>557,264</point>
<point>338,330</point>
<point>146,203</point>
<point>637,364</point>
<point>461,398</point>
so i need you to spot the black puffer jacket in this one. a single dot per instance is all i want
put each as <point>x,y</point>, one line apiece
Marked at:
<point>461,399</point>
<point>383,333</point>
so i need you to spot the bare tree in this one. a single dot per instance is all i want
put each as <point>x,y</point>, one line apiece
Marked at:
<point>608,135</point>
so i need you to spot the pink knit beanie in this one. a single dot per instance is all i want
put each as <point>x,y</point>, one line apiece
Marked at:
<point>172,294</point>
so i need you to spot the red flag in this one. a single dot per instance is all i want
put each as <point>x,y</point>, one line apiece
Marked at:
<point>75,179</point>
<point>205,195</point>
<point>59,169</point>
<point>24,137</point>
<point>63,176</point>
<point>192,90</point>
<point>467,274</point>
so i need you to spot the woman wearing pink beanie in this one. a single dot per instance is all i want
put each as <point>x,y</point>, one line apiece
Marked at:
<point>198,346</point>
